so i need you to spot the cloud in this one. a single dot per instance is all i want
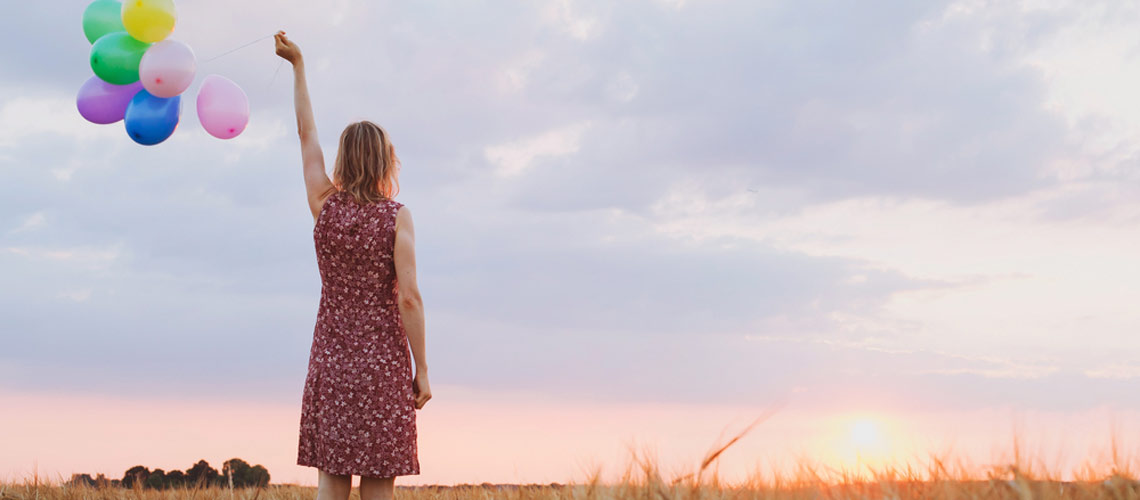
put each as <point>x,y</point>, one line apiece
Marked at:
<point>515,76</point>
<point>515,157</point>
<point>24,117</point>
<point>85,257</point>
<point>1031,283</point>
<point>565,16</point>
<point>1119,371</point>
<point>30,223</point>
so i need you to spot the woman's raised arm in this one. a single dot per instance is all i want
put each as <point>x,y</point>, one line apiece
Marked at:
<point>317,183</point>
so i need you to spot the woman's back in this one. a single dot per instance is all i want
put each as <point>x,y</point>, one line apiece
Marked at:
<point>358,413</point>
<point>355,244</point>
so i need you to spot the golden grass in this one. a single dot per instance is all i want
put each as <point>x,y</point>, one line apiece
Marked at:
<point>641,479</point>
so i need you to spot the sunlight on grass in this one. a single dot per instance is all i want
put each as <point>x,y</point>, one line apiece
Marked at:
<point>939,477</point>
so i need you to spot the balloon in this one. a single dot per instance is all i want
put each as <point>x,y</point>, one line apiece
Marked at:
<point>151,120</point>
<point>149,20</point>
<point>115,58</point>
<point>223,107</point>
<point>101,102</point>
<point>102,17</point>
<point>167,68</point>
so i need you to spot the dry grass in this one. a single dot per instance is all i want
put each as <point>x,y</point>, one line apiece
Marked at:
<point>641,479</point>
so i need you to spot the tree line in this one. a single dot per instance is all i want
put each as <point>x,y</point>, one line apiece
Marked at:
<point>235,472</point>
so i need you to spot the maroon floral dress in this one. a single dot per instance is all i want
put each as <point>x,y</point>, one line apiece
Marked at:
<point>357,412</point>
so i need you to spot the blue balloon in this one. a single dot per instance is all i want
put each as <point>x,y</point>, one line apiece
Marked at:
<point>151,120</point>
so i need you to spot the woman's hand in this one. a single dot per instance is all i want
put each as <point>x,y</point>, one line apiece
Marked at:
<point>421,388</point>
<point>287,49</point>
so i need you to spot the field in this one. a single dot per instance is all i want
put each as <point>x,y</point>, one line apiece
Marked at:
<point>886,486</point>
<point>641,479</point>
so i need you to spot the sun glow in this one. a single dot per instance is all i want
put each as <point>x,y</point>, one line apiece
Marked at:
<point>865,434</point>
<point>857,443</point>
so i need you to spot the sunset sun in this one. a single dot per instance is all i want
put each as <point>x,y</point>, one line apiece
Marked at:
<point>859,441</point>
<point>865,434</point>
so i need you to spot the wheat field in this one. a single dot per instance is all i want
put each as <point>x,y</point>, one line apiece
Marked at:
<point>647,484</point>
<point>936,479</point>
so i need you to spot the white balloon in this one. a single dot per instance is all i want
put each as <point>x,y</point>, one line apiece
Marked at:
<point>167,68</point>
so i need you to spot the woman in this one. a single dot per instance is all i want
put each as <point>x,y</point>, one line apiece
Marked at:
<point>358,409</point>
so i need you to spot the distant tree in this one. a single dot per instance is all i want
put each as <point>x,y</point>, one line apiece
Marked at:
<point>243,475</point>
<point>81,480</point>
<point>136,474</point>
<point>201,474</point>
<point>175,479</point>
<point>235,470</point>
<point>156,480</point>
<point>258,476</point>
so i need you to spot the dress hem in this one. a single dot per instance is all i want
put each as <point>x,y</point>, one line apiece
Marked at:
<point>345,472</point>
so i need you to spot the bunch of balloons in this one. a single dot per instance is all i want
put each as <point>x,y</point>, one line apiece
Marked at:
<point>140,75</point>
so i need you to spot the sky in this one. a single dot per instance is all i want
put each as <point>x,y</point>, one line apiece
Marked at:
<point>902,226</point>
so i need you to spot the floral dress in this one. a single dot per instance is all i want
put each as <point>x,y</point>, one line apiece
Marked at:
<point>357,411</point>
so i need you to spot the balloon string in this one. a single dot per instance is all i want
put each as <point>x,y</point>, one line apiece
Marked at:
<point>237,49</point>
<point>282,63</point>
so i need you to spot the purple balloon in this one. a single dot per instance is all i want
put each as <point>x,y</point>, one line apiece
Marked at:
<point>101,102</point>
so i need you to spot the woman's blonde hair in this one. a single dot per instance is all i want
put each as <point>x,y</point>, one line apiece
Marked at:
<point>366,163</point>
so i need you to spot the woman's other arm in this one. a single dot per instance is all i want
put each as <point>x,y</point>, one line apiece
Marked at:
<point>410,303</point>
<point>317,183</point>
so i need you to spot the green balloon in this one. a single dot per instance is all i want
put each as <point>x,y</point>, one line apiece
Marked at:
<point>102,17</point>
<point>115,58</point>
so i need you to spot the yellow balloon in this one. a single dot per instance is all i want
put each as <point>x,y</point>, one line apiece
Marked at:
<point>148,21</point>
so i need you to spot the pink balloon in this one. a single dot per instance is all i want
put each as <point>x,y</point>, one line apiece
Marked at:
<point>223,107</point>
<point>101,102</point>
<point>167,68</point>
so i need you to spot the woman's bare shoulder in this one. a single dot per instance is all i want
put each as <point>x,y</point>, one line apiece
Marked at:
<point>403,216</point>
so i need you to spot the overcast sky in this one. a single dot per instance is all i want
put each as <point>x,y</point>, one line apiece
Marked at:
<point>927,205</point>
